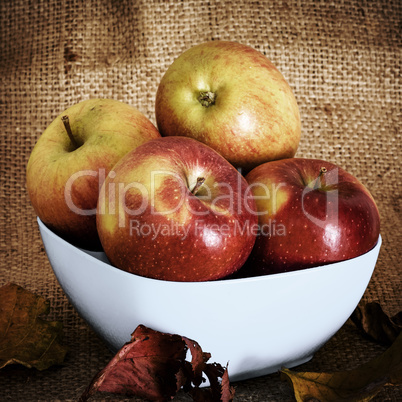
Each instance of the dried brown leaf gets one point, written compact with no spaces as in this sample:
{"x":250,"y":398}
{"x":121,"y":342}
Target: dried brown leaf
{"x":376,"y":324}
{"x":360,"y":384}
{"x":26,"y":338}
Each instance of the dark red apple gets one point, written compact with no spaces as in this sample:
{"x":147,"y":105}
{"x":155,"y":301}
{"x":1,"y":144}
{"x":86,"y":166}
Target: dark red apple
{"x":174,"y":209}
{"x":311,"y":212}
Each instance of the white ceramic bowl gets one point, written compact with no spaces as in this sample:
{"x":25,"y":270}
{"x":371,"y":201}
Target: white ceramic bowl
{"x":256,"y":324}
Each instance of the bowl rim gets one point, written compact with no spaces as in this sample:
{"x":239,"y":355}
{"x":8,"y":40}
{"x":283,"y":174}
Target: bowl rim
{"x":89,"y":254}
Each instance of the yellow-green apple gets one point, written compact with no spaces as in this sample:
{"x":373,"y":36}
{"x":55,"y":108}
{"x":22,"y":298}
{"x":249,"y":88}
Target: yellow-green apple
{"x":311,"y":212}
{"x":232,"y":98}
{"x":174,"y":209}
{"x":70,"y":160}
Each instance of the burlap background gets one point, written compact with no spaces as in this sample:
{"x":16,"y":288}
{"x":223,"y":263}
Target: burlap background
{"x":343,"y":60}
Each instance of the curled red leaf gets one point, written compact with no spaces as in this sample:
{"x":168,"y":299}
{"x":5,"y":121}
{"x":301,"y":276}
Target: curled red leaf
{"x":153,"y":366}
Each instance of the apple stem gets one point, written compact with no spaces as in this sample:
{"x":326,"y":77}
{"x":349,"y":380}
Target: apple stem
{"x":320,"y":182}
{"x":200,"y":182}
{"x":67,"y":126}
{"x":207,"y":98}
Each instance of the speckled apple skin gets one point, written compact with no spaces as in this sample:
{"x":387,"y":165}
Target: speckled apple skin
{"x":202,"y":238}
{"x":310,"y":226}
{"x":255,"y":117}
{"x":106,"y":130}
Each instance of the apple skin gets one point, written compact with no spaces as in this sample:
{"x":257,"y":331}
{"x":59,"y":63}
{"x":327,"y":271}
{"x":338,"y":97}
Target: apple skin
{"x":105,"y":131}
{"x":159,"y":229}
{"x":308,"y":218}
{"x":254,"y":117}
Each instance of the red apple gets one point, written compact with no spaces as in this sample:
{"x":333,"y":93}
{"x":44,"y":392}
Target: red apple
{"x":70,"y":160}
{"x":311,"y":212}
{"x":174,"y":209}
{"x":232,"y":98}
